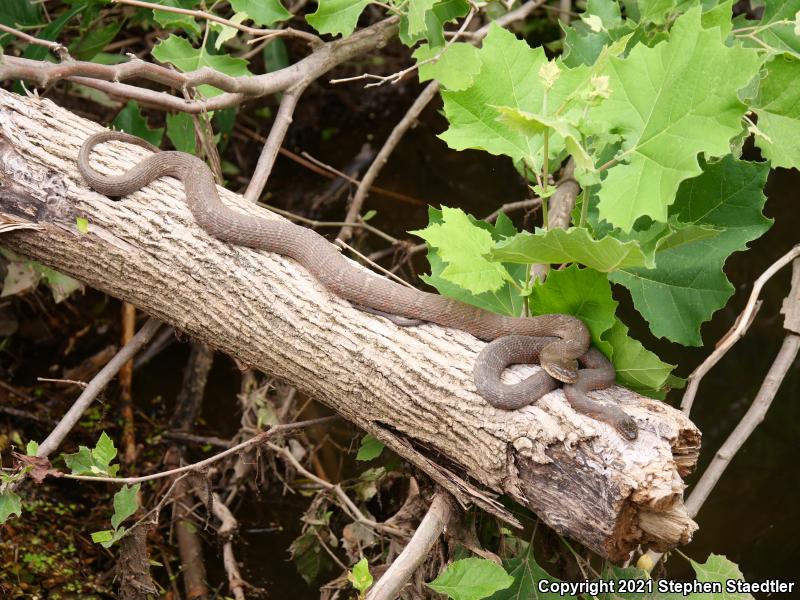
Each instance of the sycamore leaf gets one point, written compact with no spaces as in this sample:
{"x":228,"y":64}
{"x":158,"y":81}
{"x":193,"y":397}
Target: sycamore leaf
{"x":462,"y":245}
{"x":108,"y":537}
{"x":360,"y":576}
{"x":417,"y":9}
{"x":454,"y":69}
{"x":179,"y":52}
{"x":719,"y":569}
{"x":471,"y":579}
{"x":508,"y":77}
{"x":527,"y":574}
{"x":688,"y":284}
{"x":130,"y":120}
{"x":661,"y":106}
{"x":336,"y":17}
{"x":584,"y":293}
{"x":180,"y":131}
{"x":778,"y":110}
{"x":171,"y":20}
{"x":125,"y":504}
{"x":571,"y":245}
{"x":262,"y":12}
{"x":442,"y":12}
{"x":777,"y":28}
{"x":10,"y":504}
{"x":370,"y":448}
{"x":637,"y":368}
{"x":582,"y":43}
{"x":614,"y":573}
{"x":96,"y":461}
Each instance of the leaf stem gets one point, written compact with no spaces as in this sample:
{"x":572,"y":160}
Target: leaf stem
{"x":584,"y":207}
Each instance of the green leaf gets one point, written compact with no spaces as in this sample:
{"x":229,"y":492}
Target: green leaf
{"x":31,"y":448}
{"x":125,"y":504}
{"x":688,"y":284}
{"x":50,"y":33}
{"x":275,"y":55}
{"x":417,"y":10}
{"x":10,"y":504}
{"x":179,"y":52}
{"x":336,"y":17}
{"x":527,"y":574}
{"x":569,"y":245}
{"x":96,"y":461}
{"x":584,"y":293}
{"x":661,"y":106}
{"x":170,"y":20}
{"x":778,"y":36}
{"x":582,"y":44}
{"x":462,"y":245}
{"x":108,"y":537}
{"x":637,"y":368}
{"x":180,"y":131}
{"x":82,"y":224}
{"x":262,"y":12}
{"x":435,"y":20}
{"x":130,"y":120}
{"x":94,"y":40}
{"x":370,"y":448}
{"x":778,"y":110}
{"x":508,"y":77}
{"x":360,"y":576}
{"x":454,"y":69}
{"x":719,"y":569}
{"x":615,"y":574}
{"x":471,"y":579}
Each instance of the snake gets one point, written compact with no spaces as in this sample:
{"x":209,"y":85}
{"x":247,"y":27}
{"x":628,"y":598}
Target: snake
{"x":558,"y":342}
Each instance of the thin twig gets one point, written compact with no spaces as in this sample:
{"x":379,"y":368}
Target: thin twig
{"x":347,"y":504}
{"x":59,"y":49}
{"x":737,"y":333}
{"x":374,"y":264}
{"x":253,"y":441}
{"x":96,"y":385}
{"x":273,"y":144}
{"x":312,"y":39}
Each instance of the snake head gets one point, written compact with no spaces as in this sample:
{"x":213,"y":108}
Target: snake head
{"x":562,"y":370}
{"x":628,"y":429}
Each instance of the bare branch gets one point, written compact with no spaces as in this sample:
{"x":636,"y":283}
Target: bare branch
{"x":60,"y":50}
{"x":737,"y":333}
{"x":96,"y":385}
{"x":416,"y":551}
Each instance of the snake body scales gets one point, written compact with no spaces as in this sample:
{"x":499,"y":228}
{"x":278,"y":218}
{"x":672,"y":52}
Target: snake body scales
{"x":556,"y":341}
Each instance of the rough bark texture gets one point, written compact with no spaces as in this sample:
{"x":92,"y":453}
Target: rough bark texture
{"x":410,"y":387}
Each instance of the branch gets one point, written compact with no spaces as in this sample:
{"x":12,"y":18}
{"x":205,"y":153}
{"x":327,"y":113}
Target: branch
{"x":742,"y":324}
{"x":416,"y":551}
{"x":109,"y":78}
{"x":96,"y":385}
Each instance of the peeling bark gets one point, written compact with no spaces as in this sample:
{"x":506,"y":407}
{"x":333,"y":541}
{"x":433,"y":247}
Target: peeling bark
{"x":410,"y":387}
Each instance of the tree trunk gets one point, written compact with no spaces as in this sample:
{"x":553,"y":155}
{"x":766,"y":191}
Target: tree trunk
{"x":410,"y":387}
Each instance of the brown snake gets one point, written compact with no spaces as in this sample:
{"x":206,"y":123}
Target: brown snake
{"x":556,"y":341}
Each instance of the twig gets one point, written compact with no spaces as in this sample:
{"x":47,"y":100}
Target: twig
{"x":128,"y":442}
{"x":383,"y":156}
{"x":315,"y":223}
{"x":276,"y":135}
{"x":347,"y":504}
{"x":253,"y":441}
{"x":736,"y":334}
{"x":373,"y":264}
{"x":81,"y":384}
{"x":766,"y":393}
{"x":226,"y":531}
{"x":60,"y":50}
{"x":95,"y":386}
{"x":416,"y":551}
{"x":512,"y":206}
{"x":312,"y":39}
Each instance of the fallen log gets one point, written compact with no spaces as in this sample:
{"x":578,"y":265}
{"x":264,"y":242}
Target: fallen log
{"x":410,"y":387}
